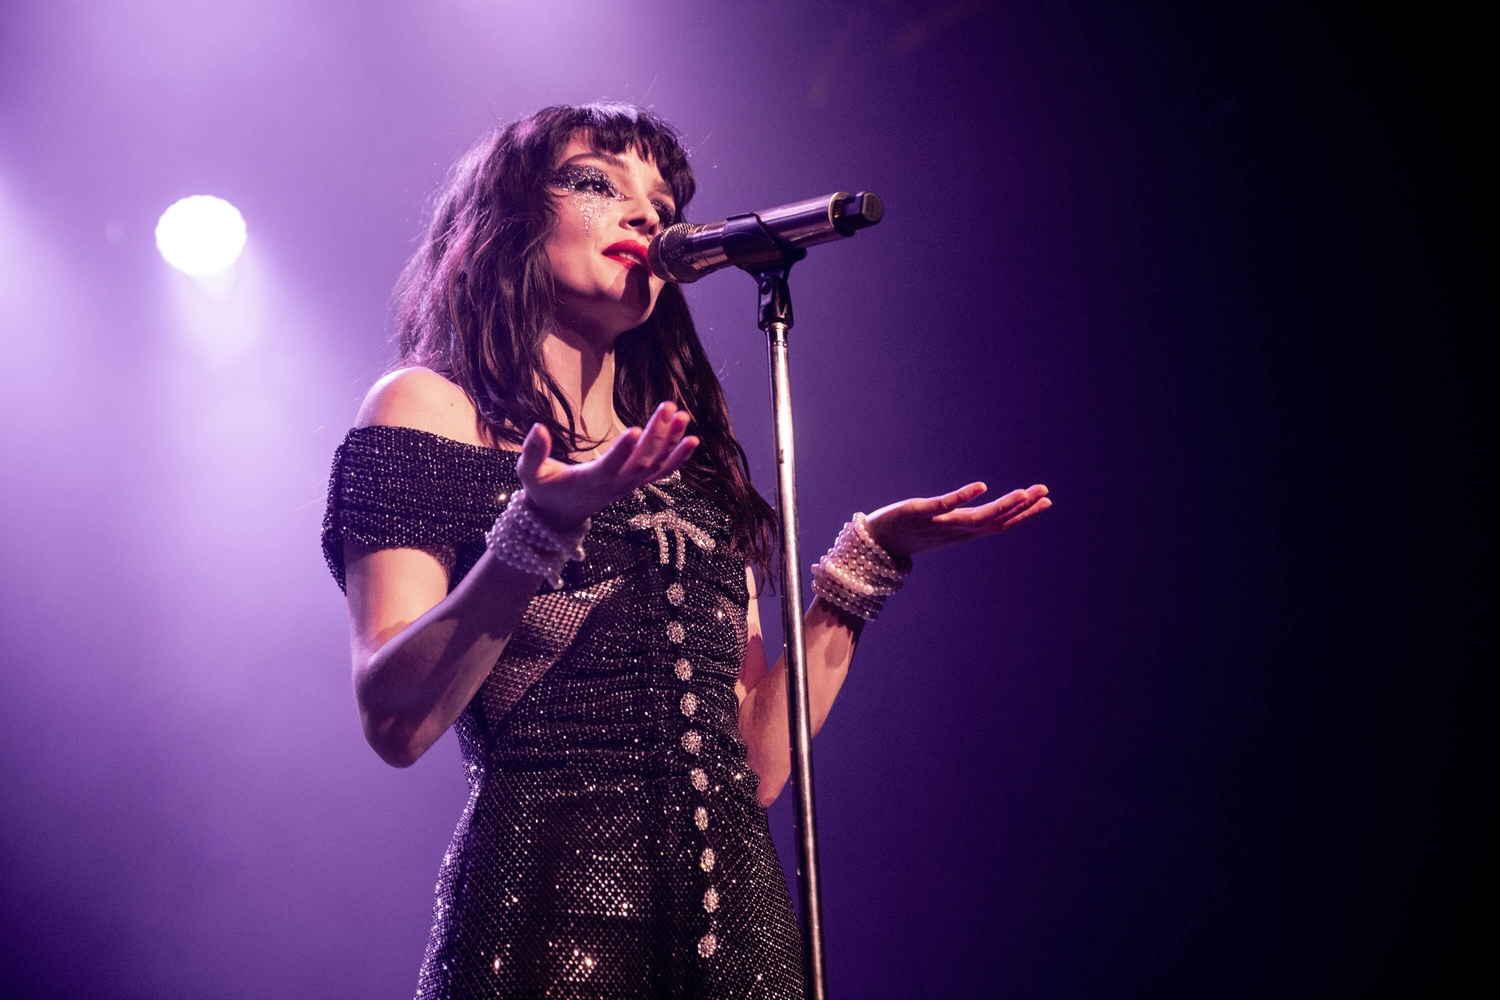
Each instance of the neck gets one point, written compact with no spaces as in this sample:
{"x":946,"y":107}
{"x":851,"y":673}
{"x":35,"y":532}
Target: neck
{"x":585,"y":371}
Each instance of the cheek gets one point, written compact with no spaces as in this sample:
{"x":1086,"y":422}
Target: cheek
{"x":567,"y":247}
{"x":590,"y":208}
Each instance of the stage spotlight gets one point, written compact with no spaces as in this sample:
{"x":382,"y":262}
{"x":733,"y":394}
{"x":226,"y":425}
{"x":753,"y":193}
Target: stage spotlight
{"x":201,"y":235}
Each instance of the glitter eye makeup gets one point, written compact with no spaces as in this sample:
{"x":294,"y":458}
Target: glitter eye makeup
{"x":590,"y":188}
{"x":581,"y":178}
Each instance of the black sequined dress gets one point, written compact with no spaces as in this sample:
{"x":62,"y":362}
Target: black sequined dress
{"x":612,"y":845}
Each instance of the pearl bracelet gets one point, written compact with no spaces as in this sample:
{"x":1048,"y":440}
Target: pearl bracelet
{"x":520,"y":538}
{"x":857,"y":574}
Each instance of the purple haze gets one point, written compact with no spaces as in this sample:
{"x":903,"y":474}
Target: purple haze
{"x":1158,"y":743}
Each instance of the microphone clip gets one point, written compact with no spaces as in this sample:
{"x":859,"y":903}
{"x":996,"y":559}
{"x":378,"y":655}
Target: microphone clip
{"x":751,"y":246}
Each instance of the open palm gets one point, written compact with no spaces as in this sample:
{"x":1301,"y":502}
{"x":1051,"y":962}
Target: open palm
{"x":923,"y":524}
{"x":564,"y":494}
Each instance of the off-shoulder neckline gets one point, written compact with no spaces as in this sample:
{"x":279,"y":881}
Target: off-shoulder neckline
{"x":447,"y":441}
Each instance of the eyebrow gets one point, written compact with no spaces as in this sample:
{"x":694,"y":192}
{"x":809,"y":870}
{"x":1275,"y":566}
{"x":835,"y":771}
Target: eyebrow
{"x":660,"y":187}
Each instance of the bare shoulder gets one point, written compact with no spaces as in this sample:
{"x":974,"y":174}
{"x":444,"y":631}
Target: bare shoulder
{"x":422,"y":399}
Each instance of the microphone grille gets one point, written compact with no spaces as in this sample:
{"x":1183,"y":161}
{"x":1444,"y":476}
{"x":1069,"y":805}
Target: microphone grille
{"x":667,"y":253}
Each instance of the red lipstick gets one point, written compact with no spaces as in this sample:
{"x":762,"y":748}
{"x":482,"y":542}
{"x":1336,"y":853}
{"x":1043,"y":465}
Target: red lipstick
{"x":628,"y":253}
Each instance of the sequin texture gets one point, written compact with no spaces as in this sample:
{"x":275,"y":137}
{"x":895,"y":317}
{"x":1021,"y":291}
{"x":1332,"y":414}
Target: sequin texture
{"x":582,"y":861}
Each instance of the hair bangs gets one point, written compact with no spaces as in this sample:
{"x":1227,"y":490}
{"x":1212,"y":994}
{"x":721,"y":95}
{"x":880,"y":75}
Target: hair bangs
{"x":616,"y":128}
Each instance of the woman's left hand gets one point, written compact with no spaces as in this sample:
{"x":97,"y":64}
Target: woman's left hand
{"x":921,"y":525}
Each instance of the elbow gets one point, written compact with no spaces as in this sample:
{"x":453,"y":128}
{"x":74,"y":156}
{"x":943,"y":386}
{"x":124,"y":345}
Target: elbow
{"x":394,"y":739}
{"x":771,"y":769}
{"x":394,"y":751}
{"x":767,"y":795}
{"x":396,"y":756}
{"x":772,"y":781}
{"x":392,"y":742}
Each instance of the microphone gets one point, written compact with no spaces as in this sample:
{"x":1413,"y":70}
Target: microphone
{"x":760,"y":240}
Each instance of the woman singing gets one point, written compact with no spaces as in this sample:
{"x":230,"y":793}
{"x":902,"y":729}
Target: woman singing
{"x":548,"y":537}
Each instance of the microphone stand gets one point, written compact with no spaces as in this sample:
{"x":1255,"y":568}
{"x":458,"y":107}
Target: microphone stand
{"x":748,"y":242}
{"x":775,"y":318}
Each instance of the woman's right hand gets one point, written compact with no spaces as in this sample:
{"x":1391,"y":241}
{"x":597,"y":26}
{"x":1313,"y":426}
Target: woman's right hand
{"x":564,"y":495}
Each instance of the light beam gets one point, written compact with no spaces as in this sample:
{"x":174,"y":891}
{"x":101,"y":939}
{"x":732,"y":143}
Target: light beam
{"x":201,"y":235}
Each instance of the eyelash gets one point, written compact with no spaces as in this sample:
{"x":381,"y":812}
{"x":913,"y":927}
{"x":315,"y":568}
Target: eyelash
{"x":593,"y":180}
{"x":583,"y":179}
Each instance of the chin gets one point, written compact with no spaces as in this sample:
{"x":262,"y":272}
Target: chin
{"x":608,"y":310}
{"x":635,"y":320}
{"x":636,"y":307}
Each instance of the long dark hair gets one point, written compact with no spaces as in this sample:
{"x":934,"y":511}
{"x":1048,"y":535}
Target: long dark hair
{"x":476,"y":301}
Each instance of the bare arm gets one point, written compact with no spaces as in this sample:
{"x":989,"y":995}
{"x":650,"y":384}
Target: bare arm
{"x":904,"y":529}
{"x":831,"y":637}
{"x":420,"y":653}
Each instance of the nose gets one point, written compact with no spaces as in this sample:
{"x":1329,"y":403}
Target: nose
{"x":641,"y":216}
{"x":644,"y":220}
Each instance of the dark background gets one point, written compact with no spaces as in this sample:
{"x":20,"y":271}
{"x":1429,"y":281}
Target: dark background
{"x":1209,"y":728}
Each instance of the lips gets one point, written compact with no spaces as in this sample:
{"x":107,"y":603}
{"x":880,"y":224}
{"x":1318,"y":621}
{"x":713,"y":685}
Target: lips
{"x":627,"y":253}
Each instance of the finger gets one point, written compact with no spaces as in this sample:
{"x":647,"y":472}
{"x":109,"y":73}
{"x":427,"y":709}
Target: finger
{"x":534,"y":451}
{"x":662,"y":433}
{"x":665,"y":411}
{"x":659,"y":469}
{"x":651,"y":435}
{"x":934,"y":506}
{"x":618,"y":452}
{"x":1010,"y":518}
{"x":677,"y":458}
{"x":1032,"y":498}
{"x":1041,"y":504}
{"x":1033,"y":493}
{"x":1011,"y":502}
{"x":979,"y":517}
{"x":960,"y":496}
{"x":674,"y":437}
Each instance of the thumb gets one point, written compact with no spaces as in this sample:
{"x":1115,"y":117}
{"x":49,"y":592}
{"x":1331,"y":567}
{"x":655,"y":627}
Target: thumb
{"x":534,"y":451}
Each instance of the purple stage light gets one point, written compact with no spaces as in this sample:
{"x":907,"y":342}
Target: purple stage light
{"x":201,"y":235}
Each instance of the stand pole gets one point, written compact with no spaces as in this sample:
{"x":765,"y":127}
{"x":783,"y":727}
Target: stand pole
{"x":776,"y":320}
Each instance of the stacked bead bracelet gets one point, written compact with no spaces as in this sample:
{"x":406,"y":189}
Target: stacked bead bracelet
{"x":857,"y":574}
{"x":522,"y":539}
